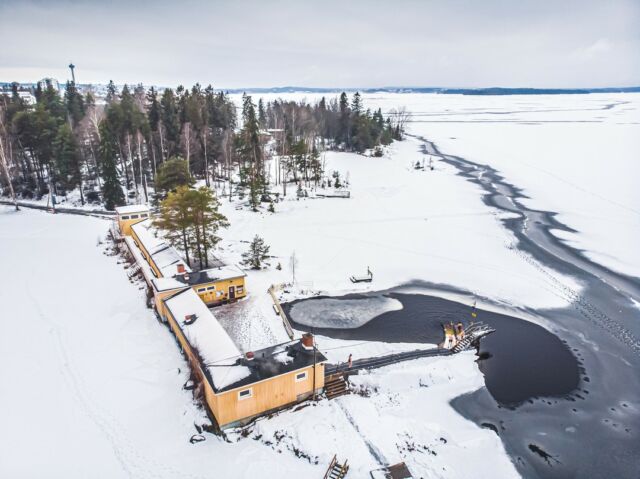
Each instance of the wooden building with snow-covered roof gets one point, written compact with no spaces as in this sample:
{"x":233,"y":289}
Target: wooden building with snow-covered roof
{"x":217,"y":285}
{"x":237,"y":388}
{"x":130,"y":215}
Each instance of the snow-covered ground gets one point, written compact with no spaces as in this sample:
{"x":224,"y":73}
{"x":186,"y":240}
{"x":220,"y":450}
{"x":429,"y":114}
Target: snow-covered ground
{"x":571,"y":154}
{"x":92,"y":385}
{"x":404,"y":224}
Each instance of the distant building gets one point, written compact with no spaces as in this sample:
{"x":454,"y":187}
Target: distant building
{"x":27,"y":97}
{"x":46,"y":81}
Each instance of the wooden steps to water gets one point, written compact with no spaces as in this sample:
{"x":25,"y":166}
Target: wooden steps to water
{"x":336,"y":470}
{"x":335,"y":385}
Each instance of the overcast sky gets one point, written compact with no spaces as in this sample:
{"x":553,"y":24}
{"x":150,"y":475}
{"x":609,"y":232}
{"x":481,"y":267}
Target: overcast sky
{"x":262,"y":43}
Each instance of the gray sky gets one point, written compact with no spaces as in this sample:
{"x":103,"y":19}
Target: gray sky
{"x":261,"y":43}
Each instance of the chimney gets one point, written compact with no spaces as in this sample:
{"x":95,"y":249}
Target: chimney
{"x":307,"y":341}
{"x":181,"y":269}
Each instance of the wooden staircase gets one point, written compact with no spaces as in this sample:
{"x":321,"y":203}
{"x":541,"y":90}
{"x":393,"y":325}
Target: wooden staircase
{"x":336,"y":470}
{"x":135,"y":269}
{"x":335,"y":385}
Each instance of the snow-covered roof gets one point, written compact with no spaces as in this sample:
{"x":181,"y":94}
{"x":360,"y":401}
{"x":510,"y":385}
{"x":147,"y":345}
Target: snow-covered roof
{"x":145,"y":232}
{"x":212,"y":274}
{"x":217,"y":350}
{"x":166,"y":284}
{"x":125,"y":210}
{"x":165,"y":256}
{"x":137,"y":255}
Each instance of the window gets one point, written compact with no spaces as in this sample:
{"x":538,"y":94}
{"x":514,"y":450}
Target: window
{"x":301,"y":376}
{"x":144,"y":215}
{"x":211,"y":288}
{"x":239,"y":289}
{"x":201,"y":290}
{"x":246,"y":394}
{"x":134,"y":217}
{"x":124,"y":217}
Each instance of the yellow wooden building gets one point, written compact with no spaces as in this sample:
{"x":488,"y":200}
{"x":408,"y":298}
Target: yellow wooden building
{"x":221,"y":284}
{"x":236,"y":388}
{"x":130,"y":215}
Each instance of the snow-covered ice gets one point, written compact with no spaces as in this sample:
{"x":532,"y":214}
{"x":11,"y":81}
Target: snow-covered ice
{"x":342,"y":313}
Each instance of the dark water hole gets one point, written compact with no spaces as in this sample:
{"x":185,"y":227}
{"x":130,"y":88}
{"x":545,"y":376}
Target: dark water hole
{"x":520,"y":361}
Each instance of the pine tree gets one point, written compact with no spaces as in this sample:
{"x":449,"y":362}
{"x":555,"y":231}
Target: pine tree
{"x":344,"y":126}
{"x":172,"y":174}
{"x":177,"y":220}
{"x":262,"y":115}
{"x":74,"y":103}
{"x":251,"y":151}
{"x":67,"y":160}
{"x":356,"y":104}
{"x":191,"y":220}
{"x":257,"y":254}
{"x":112,"y":93}
{"x":208,"y":220}
{"x":111,"y":188}
{"x":170,"y":122}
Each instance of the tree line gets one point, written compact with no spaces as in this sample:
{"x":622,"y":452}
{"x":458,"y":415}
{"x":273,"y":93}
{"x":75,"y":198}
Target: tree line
{"x":121,"y":147}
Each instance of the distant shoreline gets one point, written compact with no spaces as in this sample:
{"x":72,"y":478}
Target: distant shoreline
{"x":491,"y":91}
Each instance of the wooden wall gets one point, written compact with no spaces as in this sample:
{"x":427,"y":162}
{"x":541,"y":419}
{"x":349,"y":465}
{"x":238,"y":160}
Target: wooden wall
{"x":268,"y":394}
{"x":209,"y":296}
{"x":125,"y":225}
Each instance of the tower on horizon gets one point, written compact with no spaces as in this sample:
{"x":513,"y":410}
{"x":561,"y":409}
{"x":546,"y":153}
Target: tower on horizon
{"x":73,"y":76}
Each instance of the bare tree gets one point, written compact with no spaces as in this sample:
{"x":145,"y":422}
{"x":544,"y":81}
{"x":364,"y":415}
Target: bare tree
{"x":5,"y":156}
{"x":400,"y":117}
{"x":5,"y":167}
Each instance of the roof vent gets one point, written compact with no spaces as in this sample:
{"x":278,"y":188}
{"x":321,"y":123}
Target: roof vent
{"x":249,"y":356}
{"x":190,"y":319}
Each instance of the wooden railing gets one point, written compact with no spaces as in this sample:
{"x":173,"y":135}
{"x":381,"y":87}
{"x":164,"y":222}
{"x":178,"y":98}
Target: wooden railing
{"x":283,"y":315}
